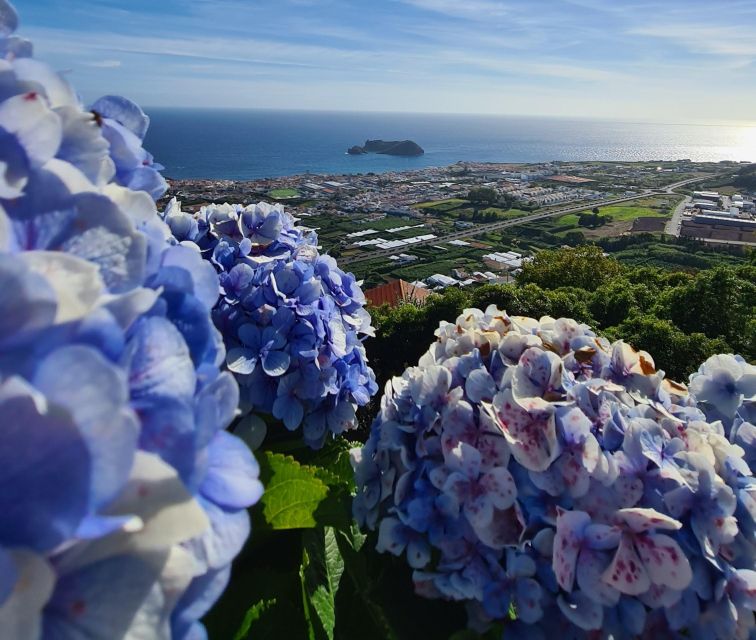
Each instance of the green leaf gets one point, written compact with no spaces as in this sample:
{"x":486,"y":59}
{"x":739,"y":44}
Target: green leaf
{"x":292,"y":492}
{"x":253,"y":615}
{"x":322,"y":568}
{"x":336,"y":509}
{"x":354,"y":536}
{"x":334,"y":464}
{"x":275,"y":593}
{"x":373,"y":621}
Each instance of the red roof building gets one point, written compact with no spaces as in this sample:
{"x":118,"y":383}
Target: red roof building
{"x":395,"y":292}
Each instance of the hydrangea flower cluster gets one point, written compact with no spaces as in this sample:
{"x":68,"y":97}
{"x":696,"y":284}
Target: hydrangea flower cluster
{"x":123,"y":498}
{"x":291,"y":319}
{"x":529,"y":466}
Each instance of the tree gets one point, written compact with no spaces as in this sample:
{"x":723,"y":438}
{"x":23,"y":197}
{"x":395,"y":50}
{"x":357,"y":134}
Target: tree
{"x":614,"y":301}
{"x":595,"y":210}
{"x":677,"y":353}
{"x":584,"y":267}
{"x":505,"y":202}
{"x":717,"y":302}
{"x":574,"y":238}
{"x":482,"y":197}
{"x":592,"y":220}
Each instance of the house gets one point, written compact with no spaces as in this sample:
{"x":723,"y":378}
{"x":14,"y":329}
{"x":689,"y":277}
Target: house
{"x":394,"y":293}
{"x":403,"y":258}
{"x":441,"y":281}
{"x":712,"y":196}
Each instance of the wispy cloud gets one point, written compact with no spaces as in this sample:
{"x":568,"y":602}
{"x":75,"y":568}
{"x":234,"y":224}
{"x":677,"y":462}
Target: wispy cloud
{"x":480,"y":10}
{"x":698,"y":38}
{"x":632,"y":58}
{"x":105,"y":64}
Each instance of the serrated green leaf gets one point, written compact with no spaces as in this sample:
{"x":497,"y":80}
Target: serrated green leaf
{"x":253,"y":615}
{"x":355,"y":536}
{"x":292,"y":492}
{"x":327,"y":476}
{"x":322,"y":568}
{"x":334,"y":461}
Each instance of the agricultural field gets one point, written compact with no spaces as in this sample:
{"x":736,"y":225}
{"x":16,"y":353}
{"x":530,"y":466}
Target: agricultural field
{"x":619,"y":218}
{"x":442,"y":205}
{"x":333,"y":231}
{"x":658,"y":252}
{"x":459,"y":209}
{"x":283,"y":194}
{"x":431,"y":259}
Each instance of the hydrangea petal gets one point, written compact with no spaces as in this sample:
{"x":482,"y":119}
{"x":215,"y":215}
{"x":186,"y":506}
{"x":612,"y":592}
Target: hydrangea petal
{"x":20,"y":614}
{"x":627,"y":574}
{"x":275,"y":363}
{"x":640,"y":520}
{"x":581,"y":611}
{"x":158,"y":361}
{"x":567,"y":543}
{"x":93,"y":391}
{"x":124,"y":111}
{"x":36,"y":126}
{"x":529,"y":429}
{"x":88,"y":603}
{"x":232,"y":475}
{"x":45,"y":471}
{"x":665,"y":562}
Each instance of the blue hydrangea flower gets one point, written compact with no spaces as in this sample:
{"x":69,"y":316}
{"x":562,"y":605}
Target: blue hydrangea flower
{"x":723,"y":384}
{"x":124,"y":125}
{"x":292,"y":321}
{"x":529,"y":465}
{"x":124,"y":499}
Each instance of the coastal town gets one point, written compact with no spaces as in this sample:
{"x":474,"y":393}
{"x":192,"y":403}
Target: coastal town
{"x":471,"y":223}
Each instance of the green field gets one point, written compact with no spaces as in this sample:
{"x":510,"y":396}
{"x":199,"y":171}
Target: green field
{"x":283,"y":194}
{"x":459,"y":209}
{"x":618,"y":213}
{"x":621,"y":217}
{"x":504,"y":214}
{"x":442,"y":205}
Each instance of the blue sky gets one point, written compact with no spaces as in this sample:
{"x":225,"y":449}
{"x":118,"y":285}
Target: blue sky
{"x":663,"y":60}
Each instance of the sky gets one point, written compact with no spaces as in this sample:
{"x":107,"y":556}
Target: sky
{"x":675,"y":61}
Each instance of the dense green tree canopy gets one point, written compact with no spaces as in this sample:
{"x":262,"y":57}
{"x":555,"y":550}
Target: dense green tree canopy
{"x":673,"y":350}
{"x":483,"y":196}
{"x":718,"y":302}
{"x":585,"y":267}
{"x":678,"y":317}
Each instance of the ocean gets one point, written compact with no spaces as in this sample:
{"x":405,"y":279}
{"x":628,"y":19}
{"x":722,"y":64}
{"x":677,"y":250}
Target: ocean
{"x":250,"y":144}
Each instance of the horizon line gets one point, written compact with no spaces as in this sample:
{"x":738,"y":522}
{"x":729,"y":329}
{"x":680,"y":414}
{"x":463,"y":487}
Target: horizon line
{"x":628,"y":120}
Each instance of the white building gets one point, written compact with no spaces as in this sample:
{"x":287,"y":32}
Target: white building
{"x":440,"y":280}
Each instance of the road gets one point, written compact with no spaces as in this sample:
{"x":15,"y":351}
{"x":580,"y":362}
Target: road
{"x":675,"y":222}
{"x":504,"y":224}
{"x":671,"y":188}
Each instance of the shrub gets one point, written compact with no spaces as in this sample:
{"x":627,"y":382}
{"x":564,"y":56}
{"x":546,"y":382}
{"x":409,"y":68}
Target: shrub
{"x":123,"y":498}
{"x":291,"y":319}
{"x":535,"y":471}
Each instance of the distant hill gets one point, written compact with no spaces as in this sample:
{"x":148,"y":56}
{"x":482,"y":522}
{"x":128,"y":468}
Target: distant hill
{"x":746,"y":178}
{"x":390,"y":148}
